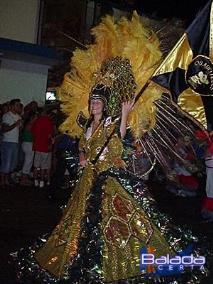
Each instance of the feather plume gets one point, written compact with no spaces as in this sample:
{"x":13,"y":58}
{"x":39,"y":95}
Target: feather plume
{"x":126,"y":38}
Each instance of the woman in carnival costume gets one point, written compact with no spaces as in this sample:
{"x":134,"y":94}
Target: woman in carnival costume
{"x":110,"y":216}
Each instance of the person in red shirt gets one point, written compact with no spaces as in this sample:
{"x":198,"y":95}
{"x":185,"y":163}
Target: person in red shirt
{"x":43,"y":130}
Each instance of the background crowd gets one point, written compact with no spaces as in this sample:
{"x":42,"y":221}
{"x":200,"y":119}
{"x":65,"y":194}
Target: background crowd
{"x":27,"y":139}
{"x":33,"y":152}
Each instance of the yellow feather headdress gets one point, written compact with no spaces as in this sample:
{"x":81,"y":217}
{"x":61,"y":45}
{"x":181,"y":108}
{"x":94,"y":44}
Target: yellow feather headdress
{"x":125,"y":40}
{"x":123,"y":58}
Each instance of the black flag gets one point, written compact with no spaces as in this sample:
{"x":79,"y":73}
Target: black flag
{"x":187,"y":71}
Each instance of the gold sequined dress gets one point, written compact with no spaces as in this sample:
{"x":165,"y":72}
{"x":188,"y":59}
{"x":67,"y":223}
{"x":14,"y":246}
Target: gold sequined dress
{"x":107,"y":221}
{"x":120,"y":226}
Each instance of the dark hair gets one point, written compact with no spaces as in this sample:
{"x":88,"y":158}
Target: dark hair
{"x":14,"y":101}
{"x":4,"y":105}
{"x":91,"y":118}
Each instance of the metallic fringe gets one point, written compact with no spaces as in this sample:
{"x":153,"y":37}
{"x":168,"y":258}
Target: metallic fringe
{"x":87,"y":267}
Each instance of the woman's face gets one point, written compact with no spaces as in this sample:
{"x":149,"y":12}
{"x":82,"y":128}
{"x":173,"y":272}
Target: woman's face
{"x":96,"y":106}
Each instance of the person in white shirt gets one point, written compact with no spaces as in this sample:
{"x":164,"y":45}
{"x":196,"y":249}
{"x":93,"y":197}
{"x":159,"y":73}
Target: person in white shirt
{"x":11,"y":122}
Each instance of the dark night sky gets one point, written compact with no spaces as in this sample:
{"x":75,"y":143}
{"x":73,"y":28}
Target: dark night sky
{"x":184,"y":9}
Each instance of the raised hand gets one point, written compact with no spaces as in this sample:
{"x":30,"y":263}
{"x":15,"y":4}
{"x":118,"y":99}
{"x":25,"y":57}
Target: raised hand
{"x":127,"y":107}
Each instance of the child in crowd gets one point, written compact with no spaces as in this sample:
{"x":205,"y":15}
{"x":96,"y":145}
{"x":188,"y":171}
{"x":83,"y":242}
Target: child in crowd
{"x":27,"y":147}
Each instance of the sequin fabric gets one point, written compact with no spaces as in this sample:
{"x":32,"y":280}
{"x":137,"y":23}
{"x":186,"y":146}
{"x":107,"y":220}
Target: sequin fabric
{"x":109,"y":218}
